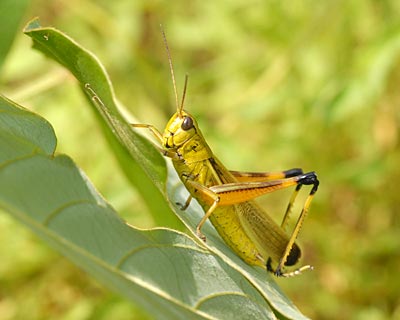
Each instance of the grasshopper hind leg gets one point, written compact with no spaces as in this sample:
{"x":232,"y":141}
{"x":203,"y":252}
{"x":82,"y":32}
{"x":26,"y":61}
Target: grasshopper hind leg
{"x":292,"y":253}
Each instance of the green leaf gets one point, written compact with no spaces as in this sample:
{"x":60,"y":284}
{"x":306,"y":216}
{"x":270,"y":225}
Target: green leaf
{"x":11,"y":13}
{"x":142,"y":163}
{"x":195,"y":271}
{"x":163,"y":270}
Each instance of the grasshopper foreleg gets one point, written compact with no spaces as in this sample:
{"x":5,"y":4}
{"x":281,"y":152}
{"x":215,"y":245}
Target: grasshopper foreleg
{"x":211,"y":197}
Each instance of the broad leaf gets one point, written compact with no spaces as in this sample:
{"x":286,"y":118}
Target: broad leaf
{"x":163,"y":270}
{"x":148,"y":170}
{"x":257,"y":285}
{"x":11,"y":13}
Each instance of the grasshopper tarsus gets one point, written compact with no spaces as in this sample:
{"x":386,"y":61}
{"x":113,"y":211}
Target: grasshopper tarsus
{"x":184,"y":206}
{"x":279,"y":273}
{"x":180,"y":205}
{"x":296,"y":272}
{"x":201,"y":235}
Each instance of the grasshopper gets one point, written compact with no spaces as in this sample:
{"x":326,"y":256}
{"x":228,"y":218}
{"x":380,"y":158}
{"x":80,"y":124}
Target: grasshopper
{"x":227,"y":196}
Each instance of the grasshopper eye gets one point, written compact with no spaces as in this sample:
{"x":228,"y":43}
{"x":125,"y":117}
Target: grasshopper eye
{"x":187,"y":123}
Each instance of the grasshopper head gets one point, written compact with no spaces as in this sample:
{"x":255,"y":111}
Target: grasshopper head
{"x":181,"y":128}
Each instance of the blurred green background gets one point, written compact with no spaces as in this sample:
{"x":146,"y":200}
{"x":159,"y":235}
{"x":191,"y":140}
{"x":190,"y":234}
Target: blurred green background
{"x":274,"y":85}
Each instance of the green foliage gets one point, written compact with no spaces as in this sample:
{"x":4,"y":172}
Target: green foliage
{"x":67,"y":212}
{"x":164,"y":271}
{"x":273,"y":85}
{"x":126,"y":143}
{"x":11,"y":13}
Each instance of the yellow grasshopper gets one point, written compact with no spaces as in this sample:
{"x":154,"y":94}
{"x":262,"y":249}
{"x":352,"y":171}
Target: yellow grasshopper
{"x":227,"y":196}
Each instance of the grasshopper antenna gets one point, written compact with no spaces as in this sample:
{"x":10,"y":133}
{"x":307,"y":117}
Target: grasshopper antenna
{"x":184,"y":94}
{"x":171,"y":69}
{"x":179,"y":107}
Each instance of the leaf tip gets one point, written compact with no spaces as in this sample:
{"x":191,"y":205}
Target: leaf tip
{"x":32,"y":25}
